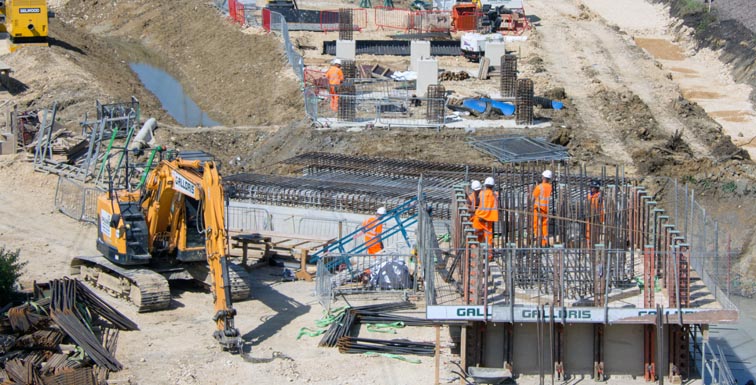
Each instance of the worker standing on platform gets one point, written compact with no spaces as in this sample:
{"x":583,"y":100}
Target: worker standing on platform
{"x":541,"y":204}
{"x":473,"y":202}
{"x":487,"y":213}
{"x":473,"y":198}
{"x":335,"y":76}
{"x":373,"y":232}
{"x":595,"y":212}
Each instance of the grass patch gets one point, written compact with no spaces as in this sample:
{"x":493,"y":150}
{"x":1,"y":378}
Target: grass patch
{"x":691,"y":7}
{"x":729,"y":187}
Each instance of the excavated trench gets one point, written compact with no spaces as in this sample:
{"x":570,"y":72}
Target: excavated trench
{"x":234,"y":78}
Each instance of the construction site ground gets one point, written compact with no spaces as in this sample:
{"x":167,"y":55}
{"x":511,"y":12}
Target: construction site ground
{"x":631,"y":75}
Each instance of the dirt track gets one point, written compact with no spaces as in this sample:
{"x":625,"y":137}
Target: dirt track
{"x":622,"y":108}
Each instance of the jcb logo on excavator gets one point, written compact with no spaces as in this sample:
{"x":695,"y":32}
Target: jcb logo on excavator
{"x":183,"y":185}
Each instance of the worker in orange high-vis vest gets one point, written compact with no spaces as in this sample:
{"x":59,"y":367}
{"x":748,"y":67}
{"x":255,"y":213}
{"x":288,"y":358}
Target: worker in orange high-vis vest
{"x":473,"y":202}
{"x":373,"y":231}
{"x":335,"y":76}
{"x":487,"y":213}
{"x":595,"y":212}
{"x":541,"y":204}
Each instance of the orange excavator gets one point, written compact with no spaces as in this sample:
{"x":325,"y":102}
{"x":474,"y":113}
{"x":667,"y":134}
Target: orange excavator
{"x":172,"y":228}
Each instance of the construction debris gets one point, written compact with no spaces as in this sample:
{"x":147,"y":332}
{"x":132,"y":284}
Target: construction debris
{"x":453,"y":76}
{"x":66,"y":335}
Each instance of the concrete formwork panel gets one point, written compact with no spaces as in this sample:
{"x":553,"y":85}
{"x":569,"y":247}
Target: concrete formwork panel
{"x":494,"y":52}
{"x":493,"y":355}
{"x":578,"y":352}
{"x":346,"y":49}
{"x":418,"y":50}
{"x":525,"y":357}
{"x":623,"y":346}
{"x":427,"y":74}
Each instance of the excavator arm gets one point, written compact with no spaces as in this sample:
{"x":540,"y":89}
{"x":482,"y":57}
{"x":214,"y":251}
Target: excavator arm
{"x":215,"y":243}
{"x":202,"y":183}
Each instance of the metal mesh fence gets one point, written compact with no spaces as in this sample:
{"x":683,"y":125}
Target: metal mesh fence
{"x":703,"y":236}
{"x":391,"y":274}
{"x":77,"y":200}
{"x":375,"y":102}
{"x":275,"y":22}
{"x":248,"y":219}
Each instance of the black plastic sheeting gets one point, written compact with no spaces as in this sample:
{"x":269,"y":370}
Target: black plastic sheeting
{"x":395,"y":48}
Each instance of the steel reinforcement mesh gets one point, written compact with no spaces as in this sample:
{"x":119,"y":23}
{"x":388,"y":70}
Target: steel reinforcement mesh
{"x":346,"y":24}
{"x":524,"y":102}
{"x":508,"y":80}
{"x":344,"y":192}
{"x":434,"y":111}
{"x":349,"y":68}
{"x":347,"y":102}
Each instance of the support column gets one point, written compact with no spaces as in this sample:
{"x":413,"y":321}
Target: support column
{"x":679,"y":354}
{"x":427,"y":74}
{"x":494,"y":51}
{"x":559,"y":351}
{"x":508,"y":346}
{"x":649,"y":358}
{"x":418,"y":50}
{"x":598,"y":352}
{"x":346,"y":49}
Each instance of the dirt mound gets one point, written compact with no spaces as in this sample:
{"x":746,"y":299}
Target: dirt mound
{"x":236,"y":78}
{"x":630,"y":113}
{"x":734,"y":40}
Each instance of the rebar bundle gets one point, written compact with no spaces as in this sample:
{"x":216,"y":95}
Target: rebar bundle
{"x":524,"y":102}
{"x":508,"y":80}
{"x":342,"y":326}
{"x":346,"y":24}
{"x":363,"y":345}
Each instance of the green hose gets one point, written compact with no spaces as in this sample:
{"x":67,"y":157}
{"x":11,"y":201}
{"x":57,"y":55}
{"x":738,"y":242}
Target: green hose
{"x":394,"y":356}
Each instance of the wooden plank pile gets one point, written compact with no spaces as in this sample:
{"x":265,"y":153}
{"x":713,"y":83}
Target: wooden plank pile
{"x":65,"y":335}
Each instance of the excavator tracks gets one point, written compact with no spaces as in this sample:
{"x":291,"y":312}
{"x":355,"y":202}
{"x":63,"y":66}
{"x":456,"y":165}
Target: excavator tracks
{"x":239,"y":282}
{"x":238,"y":278}
{"x":146,"y":289}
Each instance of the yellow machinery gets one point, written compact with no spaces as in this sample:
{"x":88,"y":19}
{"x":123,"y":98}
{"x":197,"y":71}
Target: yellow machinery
{"x":26,"y":22}
{"x":173,"y":228}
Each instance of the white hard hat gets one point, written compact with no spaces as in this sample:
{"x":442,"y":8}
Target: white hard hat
{"x":475,"y":185}
{"x":381,"y":211}
{"x":547,"y":174}
{"x":336,"y":61}
{"x":489,"y":181}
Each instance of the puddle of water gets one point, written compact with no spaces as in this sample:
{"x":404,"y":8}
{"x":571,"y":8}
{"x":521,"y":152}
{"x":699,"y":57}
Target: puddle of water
{"x":695,"y":94}
{"x":171,"y":95}
{"x":660,"y":48}
{"x":736,"y":116}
